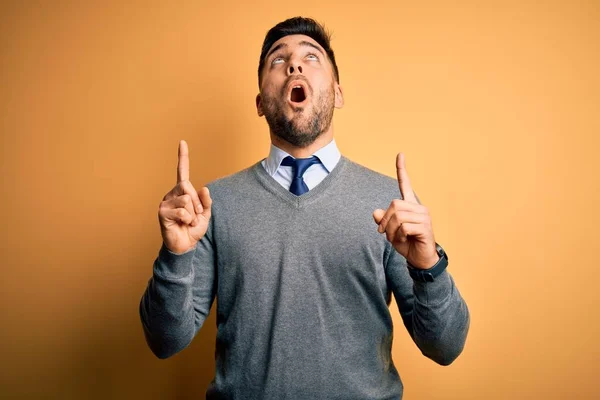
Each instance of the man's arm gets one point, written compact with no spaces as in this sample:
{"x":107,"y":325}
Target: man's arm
{"x":178,"y":297}
{"x":434,"y":313}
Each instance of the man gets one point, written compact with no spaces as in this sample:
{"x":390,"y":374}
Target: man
{"x":293,"y":248}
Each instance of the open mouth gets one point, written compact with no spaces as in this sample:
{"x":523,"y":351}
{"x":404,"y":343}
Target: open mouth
{"x":297,"y":95}
{"x":298,"y":92}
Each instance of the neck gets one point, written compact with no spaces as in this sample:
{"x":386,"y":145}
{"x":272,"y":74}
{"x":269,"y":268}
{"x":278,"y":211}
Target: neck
{"x":303,"y":152}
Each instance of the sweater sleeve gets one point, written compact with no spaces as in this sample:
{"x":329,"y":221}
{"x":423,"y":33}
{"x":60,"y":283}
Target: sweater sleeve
{"x":178,"y":297}
{"x":434,"y":313}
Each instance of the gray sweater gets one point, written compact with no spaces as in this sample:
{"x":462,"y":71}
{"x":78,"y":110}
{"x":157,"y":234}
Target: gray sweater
{"x":304,"y":285}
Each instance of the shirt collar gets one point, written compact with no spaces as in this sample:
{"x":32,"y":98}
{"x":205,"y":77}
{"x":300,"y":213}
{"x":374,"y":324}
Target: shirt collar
{"x":329,"y":156}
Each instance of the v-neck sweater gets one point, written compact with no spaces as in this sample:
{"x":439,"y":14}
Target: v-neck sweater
{"x":303,"y":287}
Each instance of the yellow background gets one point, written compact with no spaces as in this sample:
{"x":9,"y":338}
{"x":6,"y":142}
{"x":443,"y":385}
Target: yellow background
{"x":495,"y":104}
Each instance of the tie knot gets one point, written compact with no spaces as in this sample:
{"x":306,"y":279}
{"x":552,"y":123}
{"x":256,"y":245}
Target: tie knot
{"x":300,"y":165}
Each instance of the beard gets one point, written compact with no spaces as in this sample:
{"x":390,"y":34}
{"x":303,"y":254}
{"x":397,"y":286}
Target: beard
{"x":303,"y":128}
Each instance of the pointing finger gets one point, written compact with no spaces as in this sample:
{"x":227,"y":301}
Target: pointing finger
{"x":185,"y":187}
{"x":403,"y":180}
{"x":183,"y":164}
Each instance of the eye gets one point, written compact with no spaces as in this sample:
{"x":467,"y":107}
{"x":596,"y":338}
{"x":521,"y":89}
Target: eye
{"x":312,"y":56}
{"x":277,"y":60}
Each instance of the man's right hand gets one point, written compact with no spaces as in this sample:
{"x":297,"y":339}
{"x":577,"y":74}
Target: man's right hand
{"x":184,"y":213}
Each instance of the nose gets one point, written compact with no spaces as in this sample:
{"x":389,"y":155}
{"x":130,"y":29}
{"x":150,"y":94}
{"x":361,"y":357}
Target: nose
{"x":291,"y":69}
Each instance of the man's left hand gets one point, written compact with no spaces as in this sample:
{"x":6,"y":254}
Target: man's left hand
{"x":407,"y":224}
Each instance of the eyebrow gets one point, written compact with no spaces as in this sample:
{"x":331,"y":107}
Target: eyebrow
{"x":302,"y":43}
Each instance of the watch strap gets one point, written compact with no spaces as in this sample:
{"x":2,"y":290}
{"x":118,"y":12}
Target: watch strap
{"x":429,"y":275}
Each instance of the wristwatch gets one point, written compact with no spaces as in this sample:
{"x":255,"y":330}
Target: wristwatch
{"x":429,"y":275}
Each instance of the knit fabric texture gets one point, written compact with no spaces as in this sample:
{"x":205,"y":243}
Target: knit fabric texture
{"x":303,"y":286}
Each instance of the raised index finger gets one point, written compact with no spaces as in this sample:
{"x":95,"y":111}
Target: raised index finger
{"x":403,"y":181}
{"x":183,"y":164}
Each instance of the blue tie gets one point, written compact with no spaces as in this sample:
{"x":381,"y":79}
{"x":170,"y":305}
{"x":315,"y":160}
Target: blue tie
{"x":299,"y":167}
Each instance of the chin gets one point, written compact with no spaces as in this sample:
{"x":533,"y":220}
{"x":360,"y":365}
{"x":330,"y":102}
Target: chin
{"x":300,"y":138}
{"x":299,"y":126}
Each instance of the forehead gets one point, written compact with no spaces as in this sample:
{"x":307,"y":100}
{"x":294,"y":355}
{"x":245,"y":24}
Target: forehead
{"x":295,"y":41}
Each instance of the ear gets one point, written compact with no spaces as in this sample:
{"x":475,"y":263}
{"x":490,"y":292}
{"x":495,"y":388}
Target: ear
{"x":339,"y":96}
{"x":259,"y":109}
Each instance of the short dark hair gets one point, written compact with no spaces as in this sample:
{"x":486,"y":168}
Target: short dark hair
{"x":298,"y":26}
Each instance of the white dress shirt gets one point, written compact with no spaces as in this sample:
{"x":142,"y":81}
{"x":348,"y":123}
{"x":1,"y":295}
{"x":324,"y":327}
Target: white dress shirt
{"x":329,"y":156}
